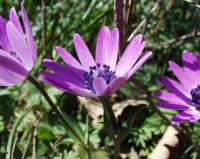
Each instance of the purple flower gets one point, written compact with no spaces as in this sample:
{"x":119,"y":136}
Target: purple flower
{"x":184,"y":94}
{"x":17,"y":48}
{"x":99,"y":77}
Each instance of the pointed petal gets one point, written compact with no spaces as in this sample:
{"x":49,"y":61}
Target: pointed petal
{"x":103,"y":47}
{"x":54,"y":83}
{"x":66,"y":73}
{"x":175,"y":120}
{"x":181,"y":75}
{"x":19,"y":46}
{"x":67,"y":87}
{"x":195,"y":118}
{"x":114,"y":48}
{"x":4,"y":42}
{"x":174,"y":106}
{"x":29,"y":33}
{"x":11,"y":72}
{"x":175,"y":87}
{"x":16,"y":67}
{"x":62,"y":80}
{"x":130,"y":56}
{"x":139,"y":64}
{"x":68,"y":58}
{"x":81,"y":91}
{"x":185,"y":115}
{"x":83,"y":52}
{"x":15,"y":20}
{"x":5,"y":83}
{"x":167,"y":96}
{"x":116,"y":84}
{"x":191,"y":115}
{"x":191,"y":67}
{"x":100,"y":86}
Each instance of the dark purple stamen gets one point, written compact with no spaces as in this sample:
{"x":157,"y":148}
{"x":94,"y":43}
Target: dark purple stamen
{"x":195,"y":93}
{"x":98,"y":71}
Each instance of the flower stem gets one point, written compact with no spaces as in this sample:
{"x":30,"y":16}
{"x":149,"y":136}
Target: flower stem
{"x":109,"y":114}
{"x":110,"y":119}
{"x":59,"y":114}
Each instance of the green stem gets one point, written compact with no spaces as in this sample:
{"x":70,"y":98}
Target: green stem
{"x":59,"y":114}
{"x":109,"y":113}
{"x":110,"y":119}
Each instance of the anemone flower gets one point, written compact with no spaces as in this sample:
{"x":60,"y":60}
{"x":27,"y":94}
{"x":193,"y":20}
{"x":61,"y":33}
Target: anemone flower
{"x":99,"y":77}
{"x":17,"y":48}
{"x":184,"y":94}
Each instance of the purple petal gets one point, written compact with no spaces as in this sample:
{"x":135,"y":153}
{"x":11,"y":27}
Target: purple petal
{"x":4,"y":42}
{"x":192,"y":115}
{"x":83,"y":52}
{"x":66,"y":73}
{"x":185,"y":115}
{"x":139,"y":64}
{"x":181,"y":75}
{"x":176,"y":120}
{"x":116,"y":84}
{"x":195,"y":117}
{"x":29,"y":33}
{"x":174,"y":106}
{"x":103,"y":47}
{"x":100,"y":86}
{"x":5,"y":83}
{"x":175,"y":87}
{"x":11,"y":72}
{"x":53,"y":80}
{"x":15,"y":20}
{"x":81,"y":91}
{"x":62,"y":80}
{"x":167,"y":96}
{"x":16,"y":67}
{"x":130,"y":56}
{"x":19,"y":46}
{"x":191,"y":67}
{"x":114,"y":48}
{"x":68,"y":58}
{"x":55,"y":83}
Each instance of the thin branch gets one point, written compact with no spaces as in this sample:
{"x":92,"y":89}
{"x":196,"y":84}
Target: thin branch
{"x":180,"y":39}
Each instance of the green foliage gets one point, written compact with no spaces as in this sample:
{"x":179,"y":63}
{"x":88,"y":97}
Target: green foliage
{"x":27,"y":123}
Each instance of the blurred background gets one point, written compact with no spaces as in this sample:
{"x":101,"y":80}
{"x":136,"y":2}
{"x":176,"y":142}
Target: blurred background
{"x":169,"y":27}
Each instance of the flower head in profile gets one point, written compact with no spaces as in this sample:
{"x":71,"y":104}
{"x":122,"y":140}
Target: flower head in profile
{"x":17,"y":48}
{"x":184,"y":94}
{"x":99,"y":77}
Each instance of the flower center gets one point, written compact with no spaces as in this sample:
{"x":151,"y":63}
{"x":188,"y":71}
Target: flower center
{"x":98,"y":71}
{"x":195,"y":93}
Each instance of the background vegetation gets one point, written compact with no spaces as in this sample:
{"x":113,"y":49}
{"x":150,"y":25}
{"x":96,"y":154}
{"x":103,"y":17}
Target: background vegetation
{"x":169,"y":27}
